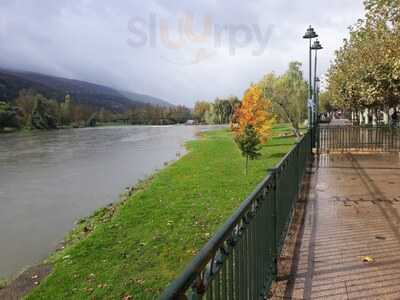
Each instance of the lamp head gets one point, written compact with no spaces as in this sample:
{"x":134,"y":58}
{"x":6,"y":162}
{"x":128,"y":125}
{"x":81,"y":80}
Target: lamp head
{"x":316,"y":45}
{"x":310,"y":33}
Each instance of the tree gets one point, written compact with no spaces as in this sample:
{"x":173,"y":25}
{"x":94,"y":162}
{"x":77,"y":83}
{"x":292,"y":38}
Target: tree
{"x":158,"y":115}
{"x":225,"y":109}
{"x":178,"y":114}
{"x":366,"y":69}
{"x":249,"y":144}
{"x":234,"y":104}
{"x":288,"y":94}
{"x":37,"y":112}
{"x":325,"y":103}
{"x":25,"y":103}
{"x":8,"y":116}
{"x":200,"y":110}
{"x":210,"y":117}
{"x":41,"y":119}
{"x":255,"y":110}
{"x":66,"y":110}
{"x":221,"y":111}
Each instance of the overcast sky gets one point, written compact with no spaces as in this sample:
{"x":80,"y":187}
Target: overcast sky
{"x":181,"y":51}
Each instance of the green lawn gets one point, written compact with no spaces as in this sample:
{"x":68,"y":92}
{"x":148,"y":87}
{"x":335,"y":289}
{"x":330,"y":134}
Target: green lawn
{"x":139,"y":245}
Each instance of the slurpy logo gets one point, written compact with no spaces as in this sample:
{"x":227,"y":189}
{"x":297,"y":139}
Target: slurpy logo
{"x":195,"y":45}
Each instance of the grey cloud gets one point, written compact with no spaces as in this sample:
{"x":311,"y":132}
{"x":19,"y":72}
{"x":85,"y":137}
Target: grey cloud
{"x":88,"y":40}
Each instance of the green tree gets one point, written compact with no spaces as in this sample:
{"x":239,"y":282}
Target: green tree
{"x":221,"y":111}
{"x":200,"y":110}
{"x":210,"y":116}
{"x":41,"y":118}
{"x":288,"y":94}
{"x":8,"y":116}
{"x":366,"y":69}
{"x":325,"y":102}
{"x":25,"y":103}
{"x":66,"y":110}
{"x":249,"y":144}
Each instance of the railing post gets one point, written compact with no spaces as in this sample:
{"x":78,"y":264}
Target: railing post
{"x":275,"y":234}
{"x":312,"y":137}
{"x":317,"y":137}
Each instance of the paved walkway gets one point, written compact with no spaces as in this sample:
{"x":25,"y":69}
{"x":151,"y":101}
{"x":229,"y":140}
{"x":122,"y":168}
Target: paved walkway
{"x":353,"y":211}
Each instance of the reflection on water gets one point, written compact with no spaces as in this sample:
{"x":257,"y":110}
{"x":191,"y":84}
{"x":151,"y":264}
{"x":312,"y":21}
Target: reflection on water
{"x":50,"y":179}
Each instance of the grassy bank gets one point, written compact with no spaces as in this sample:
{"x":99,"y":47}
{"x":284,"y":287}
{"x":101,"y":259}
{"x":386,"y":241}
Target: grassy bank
{"x":138,"y":246}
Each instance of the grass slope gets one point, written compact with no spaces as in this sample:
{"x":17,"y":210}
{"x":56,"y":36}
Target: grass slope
{"x":153,"y":235}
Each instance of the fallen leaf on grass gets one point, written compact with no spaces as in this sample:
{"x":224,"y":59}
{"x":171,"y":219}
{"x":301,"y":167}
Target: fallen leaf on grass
{"x":367,"y":259}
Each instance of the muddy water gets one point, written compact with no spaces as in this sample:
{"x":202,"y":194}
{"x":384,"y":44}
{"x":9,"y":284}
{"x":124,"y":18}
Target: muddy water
{"x":50,"y":179}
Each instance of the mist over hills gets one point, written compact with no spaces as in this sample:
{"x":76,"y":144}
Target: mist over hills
{"x":146,"y":99}
{"x":82,"y":92}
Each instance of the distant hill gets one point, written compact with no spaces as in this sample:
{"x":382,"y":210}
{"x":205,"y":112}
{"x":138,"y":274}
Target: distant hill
{"x":11,"y":82}
{"x":146,"y":99}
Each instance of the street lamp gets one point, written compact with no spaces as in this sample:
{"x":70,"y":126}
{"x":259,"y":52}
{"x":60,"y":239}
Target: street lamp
{"x":310,"y":34}
{"x":316,"y":46}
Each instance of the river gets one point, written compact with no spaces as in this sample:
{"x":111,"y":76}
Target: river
{"x":50,"y":179}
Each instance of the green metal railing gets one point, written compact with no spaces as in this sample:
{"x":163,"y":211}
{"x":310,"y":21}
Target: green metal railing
{"x":240,"y":261}
{"x":358,"y":138}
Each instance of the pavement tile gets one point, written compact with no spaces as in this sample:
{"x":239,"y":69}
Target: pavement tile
{"x":353,"y":210}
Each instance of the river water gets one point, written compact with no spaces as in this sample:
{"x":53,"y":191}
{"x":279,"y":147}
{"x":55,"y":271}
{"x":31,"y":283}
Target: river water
{"x":50,"y":179}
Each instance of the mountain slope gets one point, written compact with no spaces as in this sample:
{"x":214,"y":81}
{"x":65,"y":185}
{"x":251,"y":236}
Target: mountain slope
{"x":146,"y":99}
{"x":11,"y":82}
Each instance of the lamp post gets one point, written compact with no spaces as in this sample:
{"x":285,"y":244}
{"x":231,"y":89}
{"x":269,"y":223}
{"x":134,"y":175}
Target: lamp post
{"x":316,"y":46}
{"x":317,"y":90}
{"x":310,"y":34}
{"x":316,"y":98}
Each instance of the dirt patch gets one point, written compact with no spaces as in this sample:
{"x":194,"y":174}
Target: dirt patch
{"x":287,"y":259}
{"x":25,"y":282}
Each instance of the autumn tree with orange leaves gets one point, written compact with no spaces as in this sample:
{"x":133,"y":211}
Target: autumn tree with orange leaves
{"x":252,"y":123}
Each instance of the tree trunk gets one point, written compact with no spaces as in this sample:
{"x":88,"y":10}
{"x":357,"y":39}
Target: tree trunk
{"x":374,"y":117}
{"x":292,"y":122}
{"x":366,"y":116}
{"x":386,"y":116}
{"x":297,"y":132}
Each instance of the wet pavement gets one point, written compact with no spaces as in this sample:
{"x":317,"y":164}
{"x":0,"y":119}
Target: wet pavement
{"x":352,"y":215}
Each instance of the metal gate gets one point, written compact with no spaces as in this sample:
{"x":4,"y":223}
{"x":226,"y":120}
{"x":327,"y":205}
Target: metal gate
{"x":357,"y":138}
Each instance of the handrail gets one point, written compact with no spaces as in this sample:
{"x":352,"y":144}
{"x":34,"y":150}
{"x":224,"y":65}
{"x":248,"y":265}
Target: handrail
{"x":239,"y":248}
{"x":358,"y":138}
{"x":201,"y":259}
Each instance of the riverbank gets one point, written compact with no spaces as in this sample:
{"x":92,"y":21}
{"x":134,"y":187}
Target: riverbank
{"x":135,"y":248}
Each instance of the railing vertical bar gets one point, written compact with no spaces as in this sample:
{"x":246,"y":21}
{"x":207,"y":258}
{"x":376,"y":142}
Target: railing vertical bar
{"x":209,"y":295}
{"x":258,"y":244}
{"x":246,"y":262}
{"x":255,"y":252}
{"x":264,"y":238}
{"x":217,"y":283}
{"x":251,"y":258}
{"x":237,"y":271}
{"x":230,"y":273}
{"x":242,"y":270}
{"x":224,"y":280}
